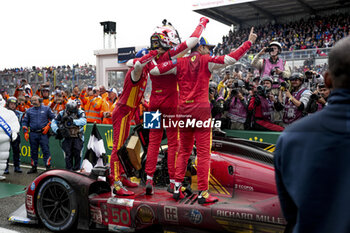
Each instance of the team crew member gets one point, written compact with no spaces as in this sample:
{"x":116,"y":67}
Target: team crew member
{"x":75,"y":94}
{"x":193,"y":74}
{"x":85,"y":96}
{"x":26,"y":104}
{"x":38,"y":119}
{"x":109,"y":105}
{"x":58,"y":103}
{"x":164,"y":97}
{"x":72,"y":120}
{"x":103,"y":92}
{"x":4,"y":94}
{"x":93,"y":109}
{"x":134,"y":86}
{"x":15,"y":143}
{"x":46,"y":96}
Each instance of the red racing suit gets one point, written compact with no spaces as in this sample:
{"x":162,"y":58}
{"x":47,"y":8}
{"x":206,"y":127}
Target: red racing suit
{"x":164,"y":97}
{"x":193,"y":74}
{"x":134,"y":87}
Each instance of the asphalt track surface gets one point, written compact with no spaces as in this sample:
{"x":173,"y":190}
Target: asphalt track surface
{"x":12,"y":203}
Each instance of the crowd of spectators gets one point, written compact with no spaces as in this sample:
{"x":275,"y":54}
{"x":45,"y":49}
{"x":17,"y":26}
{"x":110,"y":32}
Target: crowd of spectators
{"x":65,"y":76}
{"x":78,"y":81}
{"x":233,"y":92}
{"x":315,"y":32}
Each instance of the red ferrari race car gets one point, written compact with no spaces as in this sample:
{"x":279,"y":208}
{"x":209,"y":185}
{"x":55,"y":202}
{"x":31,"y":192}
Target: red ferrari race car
{"x":241,"y":176}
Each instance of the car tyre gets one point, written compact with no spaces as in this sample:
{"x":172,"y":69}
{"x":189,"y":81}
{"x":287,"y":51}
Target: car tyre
{"x":56,"y":204}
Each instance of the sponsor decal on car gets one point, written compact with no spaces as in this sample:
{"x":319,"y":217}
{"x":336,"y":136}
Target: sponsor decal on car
{"x":32,"y":187}
{"x":249,"y":216}
{"x":29,"y":201}
{"x":170,"y":214}
{"x":121,"y":201}
{"x":195,"y":216}
{"x":145,"y":214}
{"x":96,"y":214}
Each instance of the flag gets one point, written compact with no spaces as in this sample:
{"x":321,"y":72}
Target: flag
{"x":96,"y":152}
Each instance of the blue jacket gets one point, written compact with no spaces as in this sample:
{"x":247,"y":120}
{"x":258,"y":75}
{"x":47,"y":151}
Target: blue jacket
{"x":81,"y":121}
{"x":312,"y":162}
{"x":37,"y":118}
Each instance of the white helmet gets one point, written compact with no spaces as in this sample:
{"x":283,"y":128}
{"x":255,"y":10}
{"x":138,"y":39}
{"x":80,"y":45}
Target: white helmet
{"x":276,"y":44}
{"x":165,"y":37}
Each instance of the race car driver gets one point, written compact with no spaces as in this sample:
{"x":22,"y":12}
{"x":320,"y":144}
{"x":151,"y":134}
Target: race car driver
{"x":164,"y":97}
{"x":134,"y":86}
{"x":193,"y":74}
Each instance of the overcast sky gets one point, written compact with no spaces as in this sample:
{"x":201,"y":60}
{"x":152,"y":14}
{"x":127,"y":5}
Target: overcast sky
{"x":66,"y":32}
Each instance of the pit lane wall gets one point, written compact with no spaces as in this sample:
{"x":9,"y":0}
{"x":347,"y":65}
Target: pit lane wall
{"x":106,"y":131}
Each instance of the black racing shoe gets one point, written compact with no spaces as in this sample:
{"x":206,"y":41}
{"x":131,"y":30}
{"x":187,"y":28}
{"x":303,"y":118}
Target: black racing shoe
{"x":170,"y":188}
{"x":32,"y":170}
{"x":177,"y":194}
{"x":204,"y":197}
{"x":48,"y":167}
{"x":181,"y":192}
{"x":149,"y":187}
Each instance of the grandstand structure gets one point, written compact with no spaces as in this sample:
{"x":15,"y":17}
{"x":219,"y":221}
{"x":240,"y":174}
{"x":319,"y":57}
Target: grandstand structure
{"x":247,"y":13}
{"x":242,"y":14}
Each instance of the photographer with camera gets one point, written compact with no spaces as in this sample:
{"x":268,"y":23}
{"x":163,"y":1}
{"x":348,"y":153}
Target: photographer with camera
{"x":295,"y":100}
{"x":312,"y":78}
{"x":261,"y":108}
{"x":69,"y":125}
{"x":274,"y":65}
{"x":223,"y":86}
{"x":237,"y":106}
{"x":318,"y":99}
{"x":237,"y":74}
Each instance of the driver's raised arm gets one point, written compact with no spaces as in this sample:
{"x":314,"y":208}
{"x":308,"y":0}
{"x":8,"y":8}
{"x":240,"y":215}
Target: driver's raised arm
{"x":188,"y":44}
{"x":233,"y":56}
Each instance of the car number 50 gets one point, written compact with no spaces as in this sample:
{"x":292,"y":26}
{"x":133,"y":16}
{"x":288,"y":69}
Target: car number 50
{"x":120,"y":216}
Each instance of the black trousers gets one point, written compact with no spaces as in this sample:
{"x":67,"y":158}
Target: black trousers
{"x":15,"y":145}
{"x":72,"y":148}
